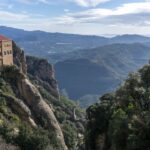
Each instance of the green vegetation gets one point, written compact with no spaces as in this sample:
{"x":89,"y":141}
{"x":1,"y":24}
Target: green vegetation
{"x":29,"y":139}
{"x":12,"y":128}
{"x":70,"y":135}
{"x":121,"y":121}
{"x":15,"y":129}
{"x":63,"y":110}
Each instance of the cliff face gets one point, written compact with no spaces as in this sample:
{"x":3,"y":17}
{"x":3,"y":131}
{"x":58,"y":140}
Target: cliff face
{"x":19,"y":59}
{"x":121,"y":121}
{"x":39,"y":68}
{"x":44,"y":73}
{"x":40,"y":108}
{"x":32,"y":97}
{"x":29,"y":92}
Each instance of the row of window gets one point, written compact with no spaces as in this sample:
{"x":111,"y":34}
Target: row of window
{"x":6,"y":52}
{"x":5,"y":45}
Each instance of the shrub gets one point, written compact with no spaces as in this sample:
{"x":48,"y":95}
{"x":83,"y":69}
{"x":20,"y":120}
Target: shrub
{"x":36,"y":139}
{"x":70,"y":136}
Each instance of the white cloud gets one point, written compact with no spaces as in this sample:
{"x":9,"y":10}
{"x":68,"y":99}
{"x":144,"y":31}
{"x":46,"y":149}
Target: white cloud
{"x":130,"y":13}
{"x":83,"y":3}
{"x":133,"y":8}
{"x":8,"y":16}
{"x":89,"y":3}
{"x":127,"y":18}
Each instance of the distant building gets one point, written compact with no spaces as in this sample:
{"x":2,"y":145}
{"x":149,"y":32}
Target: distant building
{"x":6,"y":51}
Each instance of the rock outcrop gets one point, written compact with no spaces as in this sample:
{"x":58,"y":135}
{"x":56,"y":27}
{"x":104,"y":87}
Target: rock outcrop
{"x":40,"y":108}
{"x":39,"y":68}
{"x":44,"y":73}
{"x":19,"y":58}
{"x":30,"y":94}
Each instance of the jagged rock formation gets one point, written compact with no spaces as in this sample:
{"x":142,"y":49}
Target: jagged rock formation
{"x":44,"y":73}
{"x":31,"y":95}
{"x":121,"y":121}
{"x":40,"y":108}
{"x":39,"y":68}
{"x":19,"y":58}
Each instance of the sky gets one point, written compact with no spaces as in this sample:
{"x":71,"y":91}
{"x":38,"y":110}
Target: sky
{"x":93,"y":17}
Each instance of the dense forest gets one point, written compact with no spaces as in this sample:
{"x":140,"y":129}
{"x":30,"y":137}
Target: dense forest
{"x":121,"y":120}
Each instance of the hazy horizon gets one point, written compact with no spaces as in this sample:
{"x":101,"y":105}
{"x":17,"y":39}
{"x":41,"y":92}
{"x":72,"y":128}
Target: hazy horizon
{"x":102,"y":35}
{"x":86,"y":17}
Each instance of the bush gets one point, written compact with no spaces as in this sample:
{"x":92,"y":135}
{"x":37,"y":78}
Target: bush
{"x":36,"y":139}
{"x":70,"y":135}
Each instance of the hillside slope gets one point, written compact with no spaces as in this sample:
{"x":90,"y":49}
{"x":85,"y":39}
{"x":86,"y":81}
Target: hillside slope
{"x":32,"y":113}
{"x":99,"y":70}
{"x":81,"y":77}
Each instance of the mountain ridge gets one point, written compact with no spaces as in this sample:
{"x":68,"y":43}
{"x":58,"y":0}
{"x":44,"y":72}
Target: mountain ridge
{"x":114,"y":61}
{"x":41,"y":43}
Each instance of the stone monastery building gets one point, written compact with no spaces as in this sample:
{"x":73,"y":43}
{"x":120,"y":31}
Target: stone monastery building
{"x":6,"y":51}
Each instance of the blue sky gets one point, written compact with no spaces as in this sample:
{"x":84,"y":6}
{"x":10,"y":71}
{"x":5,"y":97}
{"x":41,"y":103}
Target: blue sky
{"x":97,"y":17}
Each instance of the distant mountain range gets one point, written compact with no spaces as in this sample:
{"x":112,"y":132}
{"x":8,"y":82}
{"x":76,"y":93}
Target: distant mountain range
{"x":85,"y":66}
{"x":99,"y":70}
{"x":43,"y":44}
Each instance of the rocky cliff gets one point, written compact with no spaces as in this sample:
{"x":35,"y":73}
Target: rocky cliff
{"x":44,"y":73}
{"x":39,"y":68}
{"x":30,"y":92}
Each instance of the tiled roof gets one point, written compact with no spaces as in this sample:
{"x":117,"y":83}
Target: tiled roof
{"x":3,"y":38}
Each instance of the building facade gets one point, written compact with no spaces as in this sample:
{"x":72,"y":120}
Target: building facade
{"x":6,"y":51}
